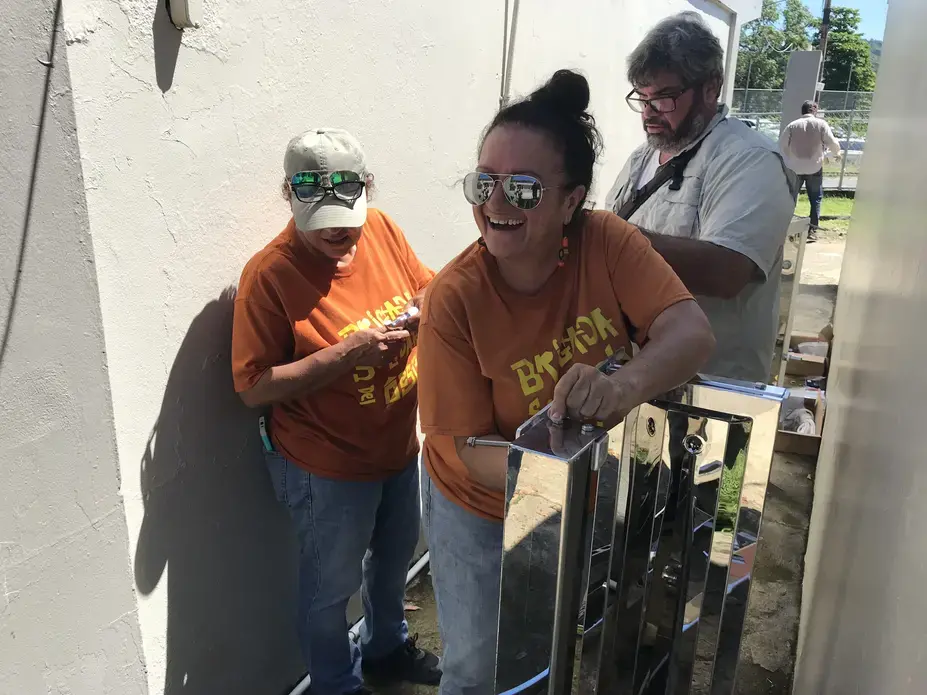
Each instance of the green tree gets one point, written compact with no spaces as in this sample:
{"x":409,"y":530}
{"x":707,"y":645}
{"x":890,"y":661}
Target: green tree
{"x":759,"y":39}
{"x":848,"y":60}
{"x":797,"y":26}
{"x":766,"y":42}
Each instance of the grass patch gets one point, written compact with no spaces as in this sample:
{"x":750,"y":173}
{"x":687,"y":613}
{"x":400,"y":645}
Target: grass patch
{"x":833,"y":170}
{"x":833,"y":205}
{"x":839,"y":227}
{"x":729,"y":494}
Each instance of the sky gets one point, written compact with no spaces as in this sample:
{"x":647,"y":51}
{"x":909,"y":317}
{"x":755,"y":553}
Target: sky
{"x":873,"y":12}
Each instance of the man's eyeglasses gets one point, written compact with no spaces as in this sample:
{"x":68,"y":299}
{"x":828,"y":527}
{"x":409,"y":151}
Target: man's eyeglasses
{"x":661,"y":104}
{"x":310,"y":186}
{"x":521,"y":190}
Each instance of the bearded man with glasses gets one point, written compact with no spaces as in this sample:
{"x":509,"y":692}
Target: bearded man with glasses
{"x":713,"y":196}
{"x":715,"y":199}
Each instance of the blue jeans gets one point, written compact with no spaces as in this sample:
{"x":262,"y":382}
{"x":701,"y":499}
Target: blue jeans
{"x":466,"y":569}
{"x":352,"y":535}
{"x":814,"y":184}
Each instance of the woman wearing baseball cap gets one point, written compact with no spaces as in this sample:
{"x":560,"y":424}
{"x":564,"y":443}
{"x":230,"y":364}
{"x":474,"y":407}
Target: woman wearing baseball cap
{"x":324,"y":336}
{"x":519,"y":320}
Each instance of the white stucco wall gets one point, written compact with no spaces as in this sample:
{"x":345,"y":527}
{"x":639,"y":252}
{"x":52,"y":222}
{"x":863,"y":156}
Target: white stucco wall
{"x":183,"y":187}
{"x":181,"y":140}
{"x":67,"y":609}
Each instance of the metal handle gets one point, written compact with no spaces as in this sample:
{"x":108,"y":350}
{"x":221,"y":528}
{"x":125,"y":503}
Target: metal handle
{"x":400,"y":321}
{"x":476,"y":441}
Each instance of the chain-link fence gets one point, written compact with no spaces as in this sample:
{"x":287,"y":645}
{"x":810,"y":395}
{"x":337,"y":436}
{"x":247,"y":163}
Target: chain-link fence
{"x":847,"y":113}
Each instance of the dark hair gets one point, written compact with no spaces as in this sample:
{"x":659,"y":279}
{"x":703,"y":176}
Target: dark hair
{"x":683,"y":45}
{"x":559,"y":110}
{"x":808,"y":107}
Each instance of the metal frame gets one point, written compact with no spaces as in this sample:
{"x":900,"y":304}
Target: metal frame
{"x":798,"y":238}
{"x":601,"y":591}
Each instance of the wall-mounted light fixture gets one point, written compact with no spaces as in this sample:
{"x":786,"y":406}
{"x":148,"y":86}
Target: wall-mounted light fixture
{"x":185,"y":14}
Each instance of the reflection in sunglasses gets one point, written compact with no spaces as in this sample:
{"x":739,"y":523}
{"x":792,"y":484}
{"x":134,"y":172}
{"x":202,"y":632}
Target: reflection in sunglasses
{"x":521,"y":190}
{"x":310,"y":187}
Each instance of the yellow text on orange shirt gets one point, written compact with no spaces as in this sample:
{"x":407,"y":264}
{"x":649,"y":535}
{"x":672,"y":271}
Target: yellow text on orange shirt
{"x":390,"y":309}
{"x":396,"y":386}
{"x":587,"y":331}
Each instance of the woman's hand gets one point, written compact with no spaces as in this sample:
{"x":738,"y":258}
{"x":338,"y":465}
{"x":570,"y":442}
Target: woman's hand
{"x":374,"y":347}
{"x":416,"y":302}
{"x":368,"y":348}
{"x":587,"y":395}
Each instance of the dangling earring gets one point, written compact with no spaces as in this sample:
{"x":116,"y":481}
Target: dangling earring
{"x":481,"y":242}
{"x":564,"y":251}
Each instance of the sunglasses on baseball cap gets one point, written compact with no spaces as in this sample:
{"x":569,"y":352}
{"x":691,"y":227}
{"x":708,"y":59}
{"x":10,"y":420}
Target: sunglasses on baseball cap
{"x":327,"y":172}
{"x":313,"y":186}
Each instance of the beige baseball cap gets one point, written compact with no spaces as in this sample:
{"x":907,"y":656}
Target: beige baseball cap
{"x":324,"y":151}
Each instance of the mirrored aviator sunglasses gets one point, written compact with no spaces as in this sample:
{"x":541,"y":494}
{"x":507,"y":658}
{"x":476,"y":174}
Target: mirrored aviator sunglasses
{"x":310,"y":186}
{"x":521,"y":190}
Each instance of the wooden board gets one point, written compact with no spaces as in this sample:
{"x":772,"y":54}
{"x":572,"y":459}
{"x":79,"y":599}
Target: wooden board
{"x":804,"y":444}
{"x":805,"y":365}
{"x":794,"y":443}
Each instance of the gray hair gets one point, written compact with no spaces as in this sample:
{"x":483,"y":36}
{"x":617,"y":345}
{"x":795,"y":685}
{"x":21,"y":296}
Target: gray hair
{"x":682,"y":45}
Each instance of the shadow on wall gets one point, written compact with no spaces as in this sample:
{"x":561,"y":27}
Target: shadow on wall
{"x":167,"y":40}
{"x":212,"y":523}
{"x":49,"y":64}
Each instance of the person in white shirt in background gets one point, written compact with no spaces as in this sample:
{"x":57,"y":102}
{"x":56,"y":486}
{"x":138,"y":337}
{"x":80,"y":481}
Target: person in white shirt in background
{"x":804,"y":144}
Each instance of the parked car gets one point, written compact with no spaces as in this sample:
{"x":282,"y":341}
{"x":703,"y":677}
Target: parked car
{"x":853,"y":144}
{"x":852,"y":150}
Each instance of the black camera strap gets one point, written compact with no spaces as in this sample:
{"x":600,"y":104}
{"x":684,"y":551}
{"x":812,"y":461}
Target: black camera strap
{"x":672,"y":171}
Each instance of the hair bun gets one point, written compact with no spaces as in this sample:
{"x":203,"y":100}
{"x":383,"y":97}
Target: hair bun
{"x":567,"y":90}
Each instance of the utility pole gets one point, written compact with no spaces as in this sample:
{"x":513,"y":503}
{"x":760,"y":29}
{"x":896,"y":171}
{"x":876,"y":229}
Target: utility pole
{"x":825,"y":28}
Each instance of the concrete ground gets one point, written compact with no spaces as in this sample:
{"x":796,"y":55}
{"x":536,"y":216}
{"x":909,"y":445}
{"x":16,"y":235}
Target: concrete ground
{"x":768,"y":650}
{"x":820,"y":275}
{"x":832,"y":183}
{"x":422,"y":616}
{"x":767,"y":655}
{"x":768,"y":647}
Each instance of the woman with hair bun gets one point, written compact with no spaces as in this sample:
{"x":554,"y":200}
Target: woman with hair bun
{"x":520,"y":319}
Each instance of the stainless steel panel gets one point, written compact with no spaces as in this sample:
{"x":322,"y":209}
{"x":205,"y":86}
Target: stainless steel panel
{"x":628,"y":554}
{"x":748,"y":458}
{"x":551,"y":504}
{"x":645,"y":480}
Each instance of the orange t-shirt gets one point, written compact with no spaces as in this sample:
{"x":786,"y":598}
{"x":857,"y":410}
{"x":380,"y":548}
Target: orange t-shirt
{"x":489,"y":357}
{"x":291,"y":303}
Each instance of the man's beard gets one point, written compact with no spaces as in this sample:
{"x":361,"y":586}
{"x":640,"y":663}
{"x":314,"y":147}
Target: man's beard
{"x":675,"y":141}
